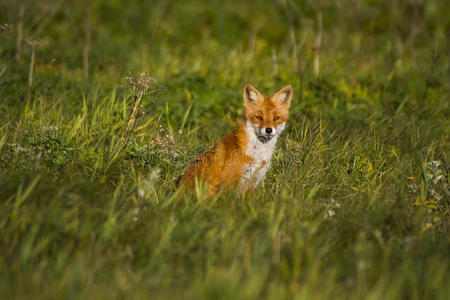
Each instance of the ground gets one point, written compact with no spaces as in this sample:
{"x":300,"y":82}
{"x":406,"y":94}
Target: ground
{"x":356,"y":204}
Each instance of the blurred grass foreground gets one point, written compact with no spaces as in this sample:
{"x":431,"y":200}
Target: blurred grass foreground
{"x":104,"y":103}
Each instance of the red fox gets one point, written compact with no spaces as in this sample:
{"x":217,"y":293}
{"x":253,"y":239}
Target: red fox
{"x":241,"y":159}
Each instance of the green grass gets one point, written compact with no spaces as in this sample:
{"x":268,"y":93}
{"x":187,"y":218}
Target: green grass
{"x":356,"y":204}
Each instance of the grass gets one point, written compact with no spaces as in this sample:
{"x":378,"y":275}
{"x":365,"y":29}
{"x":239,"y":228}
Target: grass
{"x":356,"y":204}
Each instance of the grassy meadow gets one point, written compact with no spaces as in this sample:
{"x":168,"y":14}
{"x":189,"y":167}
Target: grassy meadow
{"x":105,"y":103}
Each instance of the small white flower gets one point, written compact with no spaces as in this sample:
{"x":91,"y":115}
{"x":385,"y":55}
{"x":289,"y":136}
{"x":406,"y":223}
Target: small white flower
{"x":22,"y":149}
{"x":51,"y":128}
{"x":436,"y":163}
{"x":332,"y":206}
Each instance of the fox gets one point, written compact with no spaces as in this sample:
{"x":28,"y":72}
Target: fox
{"x":240,"y":160}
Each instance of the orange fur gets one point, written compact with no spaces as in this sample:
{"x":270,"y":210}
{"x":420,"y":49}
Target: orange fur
{"x":222,"y":166}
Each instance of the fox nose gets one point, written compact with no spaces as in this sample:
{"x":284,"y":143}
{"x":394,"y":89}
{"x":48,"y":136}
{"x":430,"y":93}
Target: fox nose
{"x":269,"y":130}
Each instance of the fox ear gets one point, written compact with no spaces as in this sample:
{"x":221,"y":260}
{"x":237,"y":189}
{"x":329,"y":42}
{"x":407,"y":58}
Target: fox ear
{"x":284,"y":95}
{"x":251,"y":94}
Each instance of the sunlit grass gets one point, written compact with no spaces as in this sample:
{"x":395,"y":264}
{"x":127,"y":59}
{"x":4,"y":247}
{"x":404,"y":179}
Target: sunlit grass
{"x":356,"y":204}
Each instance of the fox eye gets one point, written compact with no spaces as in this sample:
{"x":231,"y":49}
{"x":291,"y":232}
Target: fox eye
{"x":259,"y":118}
{"x":276,"y":118}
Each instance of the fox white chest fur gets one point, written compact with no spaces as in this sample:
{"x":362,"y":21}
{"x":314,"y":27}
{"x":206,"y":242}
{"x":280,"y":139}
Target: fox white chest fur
{"x":261,"y":153}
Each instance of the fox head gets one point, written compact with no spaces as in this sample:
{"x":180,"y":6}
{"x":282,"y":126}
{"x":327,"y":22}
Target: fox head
{"x":266,"y":116}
